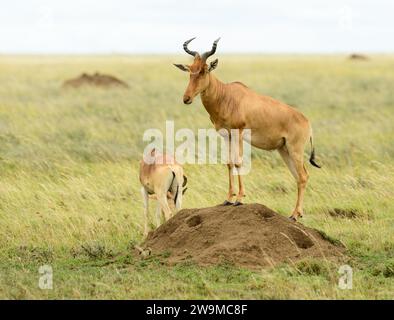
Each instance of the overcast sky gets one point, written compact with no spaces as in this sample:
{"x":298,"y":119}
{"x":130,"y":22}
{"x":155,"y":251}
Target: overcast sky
{"x":124,"y":26}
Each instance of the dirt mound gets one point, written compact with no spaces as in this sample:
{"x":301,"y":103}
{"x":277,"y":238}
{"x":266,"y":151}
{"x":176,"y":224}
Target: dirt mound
{"x":97,"y":79}
{"x":357,"y":56}
{"x":250,"y":235}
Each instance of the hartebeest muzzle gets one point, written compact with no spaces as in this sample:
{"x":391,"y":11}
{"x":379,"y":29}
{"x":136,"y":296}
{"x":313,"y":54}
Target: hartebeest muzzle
{"x":187,"y":99}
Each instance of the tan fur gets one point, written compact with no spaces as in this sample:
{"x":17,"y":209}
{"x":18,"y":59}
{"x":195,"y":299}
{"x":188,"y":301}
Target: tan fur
{"x":274,"y":125}
{"x":162,"y":180}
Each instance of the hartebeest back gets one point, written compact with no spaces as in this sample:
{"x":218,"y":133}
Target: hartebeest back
{"x":273,"y":124}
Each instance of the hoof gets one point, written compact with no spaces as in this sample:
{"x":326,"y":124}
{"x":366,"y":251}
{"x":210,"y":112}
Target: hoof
{"x":292,"y":218}
{"x":238,"y":203}
{"x":227,"y":203}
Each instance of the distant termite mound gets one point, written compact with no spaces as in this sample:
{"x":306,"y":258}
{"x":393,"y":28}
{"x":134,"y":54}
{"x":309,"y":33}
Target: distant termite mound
{"x":358,"y":56}
{"x":96,"y":80}
{"x":251,"y":236}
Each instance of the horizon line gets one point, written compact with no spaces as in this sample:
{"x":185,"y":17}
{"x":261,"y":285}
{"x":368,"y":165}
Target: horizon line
{"x":117,"y":53}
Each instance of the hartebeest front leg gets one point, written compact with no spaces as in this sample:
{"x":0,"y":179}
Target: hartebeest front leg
{"x":145,"y":198}
{"x":234,"y":144}
{"x":238,"y":161}
{"x":230,"y":167}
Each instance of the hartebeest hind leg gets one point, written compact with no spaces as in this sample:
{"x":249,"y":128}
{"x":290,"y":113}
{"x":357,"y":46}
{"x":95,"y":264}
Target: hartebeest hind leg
{"x":158,"y":214}
{"x":294,"y":159}
{"x":162,"y":198}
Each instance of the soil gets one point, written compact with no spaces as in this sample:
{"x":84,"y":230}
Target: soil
{"x":97,"y":80}
{"x":250,"y":235}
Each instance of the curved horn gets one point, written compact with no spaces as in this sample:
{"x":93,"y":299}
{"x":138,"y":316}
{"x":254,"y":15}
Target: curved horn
{"x":192,"y":53}
{"x":207,"y":54}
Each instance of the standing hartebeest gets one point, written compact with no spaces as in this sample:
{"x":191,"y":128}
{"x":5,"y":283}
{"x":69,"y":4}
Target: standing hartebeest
{"x":162,"y":178}
{"x":273,"y":124}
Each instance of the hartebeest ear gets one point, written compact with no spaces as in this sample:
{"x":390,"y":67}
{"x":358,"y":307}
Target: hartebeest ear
{"x":213,"y":65}
{"x":183,"y":67}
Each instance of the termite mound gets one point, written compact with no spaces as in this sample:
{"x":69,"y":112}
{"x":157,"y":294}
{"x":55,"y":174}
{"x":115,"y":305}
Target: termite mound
{"x":250,"y":235}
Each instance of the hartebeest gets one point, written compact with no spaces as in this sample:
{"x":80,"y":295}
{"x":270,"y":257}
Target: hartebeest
{"x":161,"y":178}
{"x":273,"y":124}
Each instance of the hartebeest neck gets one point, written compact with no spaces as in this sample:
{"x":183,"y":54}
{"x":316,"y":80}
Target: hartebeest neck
{"x":213,"y":96}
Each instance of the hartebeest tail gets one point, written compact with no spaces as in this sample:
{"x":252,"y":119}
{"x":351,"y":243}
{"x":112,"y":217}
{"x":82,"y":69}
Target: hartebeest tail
{"x":184,"y":186}
{"x":176,"y":184}
{"x":312,"y":157}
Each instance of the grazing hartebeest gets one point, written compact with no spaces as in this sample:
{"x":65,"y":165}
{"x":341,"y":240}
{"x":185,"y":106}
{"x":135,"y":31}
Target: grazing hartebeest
{"x":162,"y":178}
{"x":273,"y":124}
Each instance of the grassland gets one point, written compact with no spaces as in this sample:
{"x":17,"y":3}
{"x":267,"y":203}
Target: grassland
{"x":69,"y":190}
